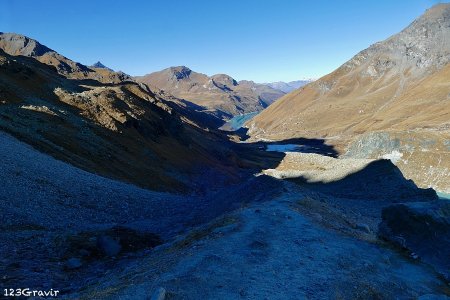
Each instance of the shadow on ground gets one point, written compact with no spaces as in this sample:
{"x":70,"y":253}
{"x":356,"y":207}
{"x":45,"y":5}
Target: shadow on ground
{"x":379,"y":180}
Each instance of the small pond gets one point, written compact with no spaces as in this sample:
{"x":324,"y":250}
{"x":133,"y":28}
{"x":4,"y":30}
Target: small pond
{"x":314,"y":148}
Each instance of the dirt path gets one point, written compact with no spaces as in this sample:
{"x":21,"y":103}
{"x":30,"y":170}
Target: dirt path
{"x":271,"y":250}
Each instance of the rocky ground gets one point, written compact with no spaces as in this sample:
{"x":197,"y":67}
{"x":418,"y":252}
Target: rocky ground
{"x":300,"y":245}
{"x":96,"y":238}
{"x":55,"y":216}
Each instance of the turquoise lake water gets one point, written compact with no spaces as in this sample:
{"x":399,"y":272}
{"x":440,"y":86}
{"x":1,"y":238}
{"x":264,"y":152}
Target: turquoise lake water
{"x":443,"y":195}
{"x":238,"y":121}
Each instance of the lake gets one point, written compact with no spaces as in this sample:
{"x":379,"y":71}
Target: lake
{"x":443,"y":195}
{"x":237,"y":122}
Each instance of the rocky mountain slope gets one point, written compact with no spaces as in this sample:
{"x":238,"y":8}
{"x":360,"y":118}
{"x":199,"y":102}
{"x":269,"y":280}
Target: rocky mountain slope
{"x":16,"y":44}
{"x":121,"y":131}
{"x":288,"y":87}
{"x":398,"y":87}
{"x":219,"y":94}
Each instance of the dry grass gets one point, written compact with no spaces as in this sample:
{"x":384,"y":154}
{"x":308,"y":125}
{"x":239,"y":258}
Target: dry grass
{"x":204,"y":232}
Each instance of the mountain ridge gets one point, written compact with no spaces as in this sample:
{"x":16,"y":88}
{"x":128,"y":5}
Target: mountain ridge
{"x":91,"y":124}
{"x":220,"y":94}
{"x":288,"y":87}
{"x":18,"y":44}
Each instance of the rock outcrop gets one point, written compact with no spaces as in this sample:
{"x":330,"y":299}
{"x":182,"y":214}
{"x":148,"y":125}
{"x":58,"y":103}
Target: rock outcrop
{"x":423,"y":157}
{"x":423,"y":228}
{"x":350,"y":178}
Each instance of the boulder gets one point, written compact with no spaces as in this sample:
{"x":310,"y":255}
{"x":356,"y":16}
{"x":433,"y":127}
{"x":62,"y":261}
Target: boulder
{"x":422,"y":228}
{"x":73,"y":263}
{"x":159,"y":294}
{"x":111,"y":242}
{"x":108,"y":246}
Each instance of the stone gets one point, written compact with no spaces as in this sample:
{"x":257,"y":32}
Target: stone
{"x":73,"y":263}
{"x":363,"y":227}
{"x":108,"y":246}
{"x":159,"y":294}
{"x":122,"y":239}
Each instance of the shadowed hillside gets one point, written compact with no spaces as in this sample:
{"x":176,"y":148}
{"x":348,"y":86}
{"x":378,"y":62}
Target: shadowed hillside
{"x":122,"y":131}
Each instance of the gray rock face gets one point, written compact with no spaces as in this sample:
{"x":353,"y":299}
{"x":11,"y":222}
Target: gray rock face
{"x":368,"y":146}
{"x":16,"y":44}
{"x":422,"y":157}
{"x":423,"y":46}
{"x":180,"y":72}
{"x":422,"y":228}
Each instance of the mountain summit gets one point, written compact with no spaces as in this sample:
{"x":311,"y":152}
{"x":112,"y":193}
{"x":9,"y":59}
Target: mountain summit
{"x":16,"y":44}
{"x":394,"y":86}
{"x":99,"y":65}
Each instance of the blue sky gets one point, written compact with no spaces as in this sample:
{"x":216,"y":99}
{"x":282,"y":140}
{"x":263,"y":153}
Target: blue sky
{"x":260,"y":40}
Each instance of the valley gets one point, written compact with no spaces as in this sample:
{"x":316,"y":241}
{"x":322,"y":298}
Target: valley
{"x":182,"y":185}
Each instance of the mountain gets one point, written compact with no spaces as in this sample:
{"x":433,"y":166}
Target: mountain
{"x":288,"y":87}
{"x":16,"y":44}
{"x":99,"y":65}
{"x":398,"y":88}
{"x":123,"y":131}
{"x":81,"y":155}
{"x":114,"y":190}
{"x":219,"y":94}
